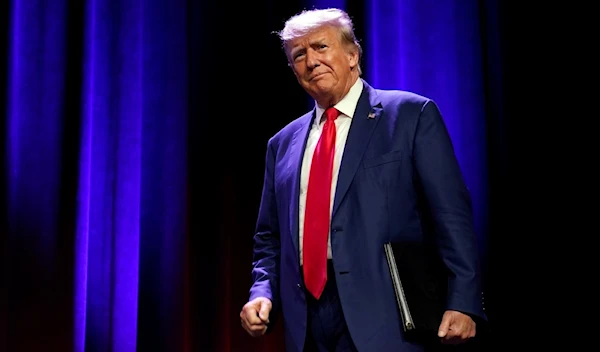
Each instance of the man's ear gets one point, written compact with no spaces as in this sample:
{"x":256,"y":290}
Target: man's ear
{"x":353,"y":58}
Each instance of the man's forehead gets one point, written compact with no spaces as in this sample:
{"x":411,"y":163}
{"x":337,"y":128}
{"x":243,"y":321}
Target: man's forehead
{"x":317,"y":36}
{"x":300,"y":42}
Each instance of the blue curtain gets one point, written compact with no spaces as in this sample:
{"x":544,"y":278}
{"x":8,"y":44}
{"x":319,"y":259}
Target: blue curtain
{"x":133,"y":136}
{"x":434,"y":48}
{"x":97,"y":99}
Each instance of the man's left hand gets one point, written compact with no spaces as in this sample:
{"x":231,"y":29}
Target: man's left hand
{"x":456,"y":327}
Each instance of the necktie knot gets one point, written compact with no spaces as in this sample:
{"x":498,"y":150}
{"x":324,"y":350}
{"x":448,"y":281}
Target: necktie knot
{"x":331,"y":114}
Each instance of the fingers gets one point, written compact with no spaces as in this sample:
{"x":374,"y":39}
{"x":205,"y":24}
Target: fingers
{"x":254,"y":316}
{"x":456,"y":328}
{"x":455,"y":337}
{"x":263,"y":314}
{"x":251,"y":322}
{"x":254,"y":330}
{"x":444,"y":325}
{"x":250,"y":316}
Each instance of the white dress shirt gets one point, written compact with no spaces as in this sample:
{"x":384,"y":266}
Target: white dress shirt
{"x":346,"y":107}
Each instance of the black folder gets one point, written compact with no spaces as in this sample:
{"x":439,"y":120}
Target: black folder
{"x":420,"y":283}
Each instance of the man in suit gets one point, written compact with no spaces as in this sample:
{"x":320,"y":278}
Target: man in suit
{"x":364,"y":167}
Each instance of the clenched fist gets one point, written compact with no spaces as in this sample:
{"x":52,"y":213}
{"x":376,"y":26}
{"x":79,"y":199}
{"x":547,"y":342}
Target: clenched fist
{"x":255,"y":316}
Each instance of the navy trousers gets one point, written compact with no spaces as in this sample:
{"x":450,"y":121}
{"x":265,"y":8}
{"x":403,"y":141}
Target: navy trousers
{"x":327,"y":330}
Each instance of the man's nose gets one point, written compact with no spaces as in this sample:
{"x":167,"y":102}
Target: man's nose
{"x":312,"y":60}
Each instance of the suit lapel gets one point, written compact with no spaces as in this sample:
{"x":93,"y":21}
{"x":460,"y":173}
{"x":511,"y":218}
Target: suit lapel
{"x":297,"y":147}
{"x":366,"y":117}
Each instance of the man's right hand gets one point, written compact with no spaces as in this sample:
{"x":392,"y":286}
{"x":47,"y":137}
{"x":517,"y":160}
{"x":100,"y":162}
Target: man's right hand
{"x":255,"y":316}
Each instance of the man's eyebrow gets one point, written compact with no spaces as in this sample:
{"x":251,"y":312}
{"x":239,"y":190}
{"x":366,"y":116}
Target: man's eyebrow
{"x":313,"y":42}
{"x":295,"y":50}
{"x":318,"y":41}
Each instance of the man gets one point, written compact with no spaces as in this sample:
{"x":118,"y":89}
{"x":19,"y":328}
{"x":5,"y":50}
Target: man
{"x":364,"y":167}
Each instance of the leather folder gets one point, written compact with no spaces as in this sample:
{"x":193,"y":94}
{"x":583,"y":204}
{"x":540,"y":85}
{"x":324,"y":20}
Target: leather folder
{"x":420,"y":283}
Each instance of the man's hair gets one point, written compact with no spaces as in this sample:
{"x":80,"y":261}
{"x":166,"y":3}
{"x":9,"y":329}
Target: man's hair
{"x":309,"y":20}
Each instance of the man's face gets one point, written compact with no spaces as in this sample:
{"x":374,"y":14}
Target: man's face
{"x":324,"y":67}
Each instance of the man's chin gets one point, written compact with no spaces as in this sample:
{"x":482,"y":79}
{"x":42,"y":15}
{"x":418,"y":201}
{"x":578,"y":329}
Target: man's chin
{"x":322,"y":87}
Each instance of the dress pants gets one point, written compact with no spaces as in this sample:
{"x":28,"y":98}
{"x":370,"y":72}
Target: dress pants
{"x":327,"y":330}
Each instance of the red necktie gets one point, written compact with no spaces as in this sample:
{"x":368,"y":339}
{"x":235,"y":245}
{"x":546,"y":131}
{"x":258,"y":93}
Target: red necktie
{"x":317,"y":211}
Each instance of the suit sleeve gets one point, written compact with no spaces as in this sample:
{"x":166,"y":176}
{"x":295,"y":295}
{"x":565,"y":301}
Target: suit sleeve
{"x":450,"y":207}
{"x":265,"y":262}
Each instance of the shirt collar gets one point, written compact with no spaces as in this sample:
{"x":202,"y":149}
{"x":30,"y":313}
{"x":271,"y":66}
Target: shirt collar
{"x":347,"y":105}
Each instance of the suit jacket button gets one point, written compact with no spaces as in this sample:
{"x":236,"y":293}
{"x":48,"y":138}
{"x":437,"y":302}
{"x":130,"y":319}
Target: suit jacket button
{"x":299,"y":286}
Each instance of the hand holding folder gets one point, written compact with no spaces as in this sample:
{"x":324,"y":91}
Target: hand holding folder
{"x":420,"y":283}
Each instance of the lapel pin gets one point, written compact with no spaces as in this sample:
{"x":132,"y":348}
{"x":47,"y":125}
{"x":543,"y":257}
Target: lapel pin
{"x":371,"y":115}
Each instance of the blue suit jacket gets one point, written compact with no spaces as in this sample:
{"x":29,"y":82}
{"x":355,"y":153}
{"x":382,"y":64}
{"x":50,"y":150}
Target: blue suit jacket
{"x":398,"y":157}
